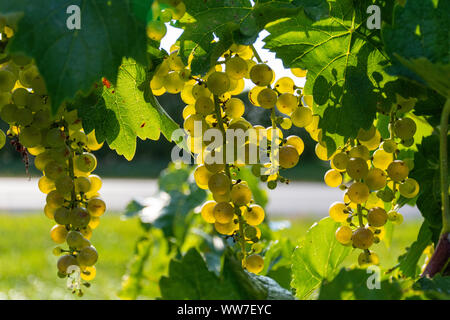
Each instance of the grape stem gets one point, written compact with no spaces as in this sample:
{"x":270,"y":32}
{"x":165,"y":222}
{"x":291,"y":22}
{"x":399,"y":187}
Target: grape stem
{"x":71,"y":171}
{"x":444,"y":167}
{"x":255,"y":53}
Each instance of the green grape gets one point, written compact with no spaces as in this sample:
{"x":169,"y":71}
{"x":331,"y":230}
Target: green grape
{"x":64,"y":185}
{"x":261,"y":75}
{"x":218,"y":83}
{"x":175,"y":62}
{"x":236,"y":68}
{"x":5,"y":98}
{"x":219,"y":183}
{"x":85,"y":162}
{"x":9,"y":113}
{"x":376,"y":179}
{"x":382,"y":159}
{"x":191,"y":122}
{"x":20,"y":97}
{"x":65,"y":262}
{"x":36,"y":103}
{"x":285,"y":85}
{"x":200,"y":90}
{"x":333,"y":178}
{"x":254,"y":215}
{"x":366,"y":135}
{"x":24,"y":117}
{"x":27,"y":75}
{"x":173,"y":82}
{"x":87,"y":256}
{"x":83,"y":185}
{"x":287,"y":103}
{"x":202,"y":176}
{"x":286,"y":123}
{"x":344,"y":235}
{"x":207,"y":211}
{"x":20,"y":59}
{"x":377,"y":217}
{"x":409,"y":188}
{"x":405,"y":128}
{"x":166,"y":15}
{"x":38,"y":85}
{"x":49,"y":212}
{"x":76,"y":240}
{"x":267,"y":98}
{"x":297,"y":143}
{"x":387,"y":195}
{"x":362,"y":238}
{"x":357,"y":168}
{"x":358,"y":192}
{"x":254,"y":263}
{"x":53,"y":170}
{"x":7,"y":80}
{"x":321,"y":152}
{"x":156,"y":30}
{"x":62,"y":216}
{"x":395,"y":217}
{"x":288,"y":156}
{"x":79,"y":217}
{"x":340,"y":161}
{"x":55,"y":137}
{"x":250,"y":232}
{"x":360,"y":151}
{"x":302,"y":117}
{"x":366,"y":259}
{"x":223,"y":212}
{"x":46,"y":185}
{"x":226,"y":197}
{"x":30,"y":137}
{"x":96,"y":183}
{"x":241,"y":194}
{"x":389,"y":146}
{"x":55,"y":199}
{"x":2,"y":139}
{"x":234,"y":108}
{"x":41,"y":119}
{"x":178,"y":10}
{"x":398,"y":170}
{"x":96,"y":207}
{"x":204,"y":106}
{"x":79,"y":139}
{"x":408,"y":143}
{"x":338,"y":211}
{"x":58,"y":234}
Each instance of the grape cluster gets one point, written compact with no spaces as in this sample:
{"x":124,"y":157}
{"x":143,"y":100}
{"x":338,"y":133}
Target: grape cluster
{"x":211,"y":103}
{"x":373,"y":177}
{"x":167,"y":10}
{"x":63,"y":153}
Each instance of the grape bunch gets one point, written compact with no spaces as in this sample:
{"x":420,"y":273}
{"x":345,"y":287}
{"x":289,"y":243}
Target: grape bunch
{"x":63,"y":153}
{"x":373,"y":177}
{"x":211,"y":104}
{"x":167,"y":10}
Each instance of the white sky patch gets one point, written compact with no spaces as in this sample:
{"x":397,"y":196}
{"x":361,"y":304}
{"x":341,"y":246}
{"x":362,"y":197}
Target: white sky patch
{"x":268,"y":57}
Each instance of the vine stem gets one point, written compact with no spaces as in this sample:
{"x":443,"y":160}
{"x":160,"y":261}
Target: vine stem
{"x":444,"y":167}
{"x":71,"y":167}
{"x":256,"y":54}
{"x":227,"y":171}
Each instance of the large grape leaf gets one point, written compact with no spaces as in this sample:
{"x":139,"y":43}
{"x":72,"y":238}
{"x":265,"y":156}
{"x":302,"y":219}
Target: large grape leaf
{"x":344,"y":62}
{"x":418,"y":42}
{"x":317,"y":258}
{"x":190,"y":279}
{"x":120,"y":113}
{"x":427,"y":173}
{"x":72,"y":60}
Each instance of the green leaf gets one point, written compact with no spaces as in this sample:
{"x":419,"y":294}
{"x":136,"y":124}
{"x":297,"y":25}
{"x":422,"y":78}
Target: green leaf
{"x":314,"y":9}
{"x":353,"y":285}
{"x":419,"y":39}
{"x":317,"y":258}
{"x":204,"y":20}
{"x":427,"y":173}
{"x":436,"y":288}
{"x":190,"y":279}
{"x":408,"y":262}
{"x":124,"y":111}
{"x":277,"y":261}
{"x":72,"y":60}
{"x":344,"y":66}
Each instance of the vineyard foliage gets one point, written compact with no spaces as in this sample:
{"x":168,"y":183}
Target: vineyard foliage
{"x":359,"y":79}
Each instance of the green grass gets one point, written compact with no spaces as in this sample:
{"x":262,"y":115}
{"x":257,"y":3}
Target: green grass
{"x":28,"y":270}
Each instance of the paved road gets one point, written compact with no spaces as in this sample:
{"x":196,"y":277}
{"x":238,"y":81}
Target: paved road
{"x":295,"y":199}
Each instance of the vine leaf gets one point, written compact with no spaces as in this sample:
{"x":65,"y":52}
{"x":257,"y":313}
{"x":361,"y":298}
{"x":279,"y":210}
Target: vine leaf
{"x":317,"y":258}
{"x":120,"y":113}
{"x":418,"y":43}
{"x":345,"y":68}
{"x":72,"y":60}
